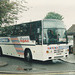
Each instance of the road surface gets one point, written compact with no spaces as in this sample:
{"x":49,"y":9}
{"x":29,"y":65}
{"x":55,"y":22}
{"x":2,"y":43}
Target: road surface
{"x":18,"y":65}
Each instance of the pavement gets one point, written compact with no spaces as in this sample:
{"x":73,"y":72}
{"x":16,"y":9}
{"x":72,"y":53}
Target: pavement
{"x":70,"y":58}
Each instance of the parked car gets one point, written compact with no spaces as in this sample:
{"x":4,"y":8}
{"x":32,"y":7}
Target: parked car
{"x":70,"y":46}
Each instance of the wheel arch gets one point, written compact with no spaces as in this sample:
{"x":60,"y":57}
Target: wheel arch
{"x":1,"y":50}
{"x":27,"y":49}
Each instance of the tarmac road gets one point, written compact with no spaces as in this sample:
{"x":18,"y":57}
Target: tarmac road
{"x":18,"y":65}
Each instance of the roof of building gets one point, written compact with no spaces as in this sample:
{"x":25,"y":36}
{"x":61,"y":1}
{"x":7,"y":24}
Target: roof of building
{"x":71,"y":30}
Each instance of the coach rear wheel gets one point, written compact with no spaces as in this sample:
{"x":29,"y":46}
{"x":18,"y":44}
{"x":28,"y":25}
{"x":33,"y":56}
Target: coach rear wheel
{"x":1,"y":52}
{"x":28,"y":55}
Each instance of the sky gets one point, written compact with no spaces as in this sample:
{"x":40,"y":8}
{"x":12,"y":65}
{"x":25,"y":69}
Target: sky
{"x":39,"y":8}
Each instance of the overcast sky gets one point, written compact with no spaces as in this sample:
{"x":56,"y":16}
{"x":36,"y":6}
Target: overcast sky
{"x":39,"y":8}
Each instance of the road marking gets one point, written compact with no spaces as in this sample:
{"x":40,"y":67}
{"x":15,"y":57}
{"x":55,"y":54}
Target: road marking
{"x":53,"y":73}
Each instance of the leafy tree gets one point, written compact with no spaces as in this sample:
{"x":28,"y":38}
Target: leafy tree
{"x":53,"y":15}
{"x":9,"y":10}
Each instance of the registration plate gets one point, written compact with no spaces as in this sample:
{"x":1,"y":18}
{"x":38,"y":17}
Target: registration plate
{"x":58,"y":53}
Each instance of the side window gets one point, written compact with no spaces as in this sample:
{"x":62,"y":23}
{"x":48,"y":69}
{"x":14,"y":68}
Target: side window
{"x":18,"y":30}
{"x":4,"y":32}
{"x":21,"y":30}
{"x":33,"y":31}
{"x":13,"y":31}
{"x":24,"y":29}
{"x":1,"y":31}
{"x":8,"y":31}
{"x":39,"y":33}
{"x":36,"y":32}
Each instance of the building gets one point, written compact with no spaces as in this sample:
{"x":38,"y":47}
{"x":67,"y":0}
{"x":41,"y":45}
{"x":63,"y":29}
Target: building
{"x":71,"y":31}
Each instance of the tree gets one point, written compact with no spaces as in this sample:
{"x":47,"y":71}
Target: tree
{"x":9,"y":11}
{"x":53,"y":15}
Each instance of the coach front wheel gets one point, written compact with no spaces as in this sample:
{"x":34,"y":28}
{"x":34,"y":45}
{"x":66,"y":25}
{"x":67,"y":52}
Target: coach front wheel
{"x":28,"y":56}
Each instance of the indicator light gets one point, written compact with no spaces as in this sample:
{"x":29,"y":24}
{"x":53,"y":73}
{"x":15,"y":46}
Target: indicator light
{"x":68,"y":50}
{"x":47,"y":51}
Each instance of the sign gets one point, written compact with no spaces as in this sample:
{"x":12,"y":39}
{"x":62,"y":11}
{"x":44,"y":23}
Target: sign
{"x":25,"y":39}
{"x":4,"y":40}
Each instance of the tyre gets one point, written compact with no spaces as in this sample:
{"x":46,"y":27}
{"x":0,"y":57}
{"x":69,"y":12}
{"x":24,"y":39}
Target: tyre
{"x":70,"y":49}
{"x":1,"y":52}
{"x":28,"y":56}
